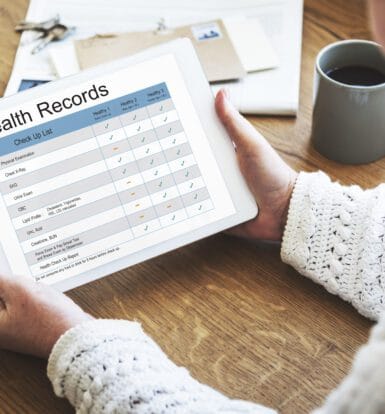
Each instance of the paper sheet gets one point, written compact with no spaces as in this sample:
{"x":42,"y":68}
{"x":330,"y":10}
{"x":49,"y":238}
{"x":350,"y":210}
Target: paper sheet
{"x":211,"y":41}
{"x":270,"y":92}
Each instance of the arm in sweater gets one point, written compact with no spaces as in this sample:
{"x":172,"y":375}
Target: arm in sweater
{"x":112,"y":366}
{"x":334,"y":235}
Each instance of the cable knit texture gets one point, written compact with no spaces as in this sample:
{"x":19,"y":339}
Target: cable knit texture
{"x":335,"y":236}
{"x":108,"y":366}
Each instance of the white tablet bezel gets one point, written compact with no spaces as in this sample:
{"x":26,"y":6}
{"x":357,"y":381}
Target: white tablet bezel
{"x":223,"y":150}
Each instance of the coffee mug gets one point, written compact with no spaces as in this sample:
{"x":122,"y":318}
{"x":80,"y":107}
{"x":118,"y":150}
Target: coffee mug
{"x":349,"y":102}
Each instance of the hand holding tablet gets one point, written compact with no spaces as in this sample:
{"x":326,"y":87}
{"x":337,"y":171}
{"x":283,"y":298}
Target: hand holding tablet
{"x":96,"y":185}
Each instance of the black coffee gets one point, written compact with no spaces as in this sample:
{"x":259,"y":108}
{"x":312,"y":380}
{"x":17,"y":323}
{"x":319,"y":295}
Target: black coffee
{"x":357,"y":75}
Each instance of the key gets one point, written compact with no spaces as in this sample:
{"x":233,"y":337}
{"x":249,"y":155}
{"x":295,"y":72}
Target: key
{"x":57,"y":32}
{"x":38,"y":27}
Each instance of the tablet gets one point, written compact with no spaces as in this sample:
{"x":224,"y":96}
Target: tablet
{"x":113,"y":166}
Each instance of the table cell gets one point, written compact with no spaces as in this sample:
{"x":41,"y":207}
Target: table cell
{"x":138,"y":127}
{"x":156,"y":172}
{"x":199,"y":208}
{"x":128,"y":182}
{"x":195,"y":196}
{"x":160,"y":184}
{"x":164,"y":195}
{"x":133,"y":117}
{"x":165,"y":118}
{"x":169,"y":206}
{"x":119,"y":160}
{"x":111,"y":137}
{"x":146,"y":228}
{"x":172,"y":128}
{"x":114,"y":149}
{"x":178,"y":152}
{"x":160,"y":107}
{"x":147,"y":150}
{"x":142,"y":138}
{"x":182,"y":163}
{"x":107,"y":125}
{"x":141,"y":217}
{"x":191,"y":185}
{"x":151,"y":161}
{"x":141,"y":204}
{"x":173,"y":140}
{"x":133,"y":194}
{"x":186,"y":174}
{"x":173,"y":218}
{"x":124,"y":171}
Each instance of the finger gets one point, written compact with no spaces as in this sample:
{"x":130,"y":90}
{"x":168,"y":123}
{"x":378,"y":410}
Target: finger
{"x":240,"y":130}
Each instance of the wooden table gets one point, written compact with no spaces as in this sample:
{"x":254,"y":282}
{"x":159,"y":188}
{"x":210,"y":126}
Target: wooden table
{"x":229,"y":310}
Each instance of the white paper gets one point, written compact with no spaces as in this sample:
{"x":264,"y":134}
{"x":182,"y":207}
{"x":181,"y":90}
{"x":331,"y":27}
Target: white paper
{"x":271,"y":92}
{"x":251,"y":43}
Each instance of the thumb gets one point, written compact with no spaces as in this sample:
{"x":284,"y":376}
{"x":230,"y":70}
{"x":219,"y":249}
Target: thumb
{"x":240,"y":130}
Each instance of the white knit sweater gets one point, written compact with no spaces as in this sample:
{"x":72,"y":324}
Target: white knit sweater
{"x":334,"y":235}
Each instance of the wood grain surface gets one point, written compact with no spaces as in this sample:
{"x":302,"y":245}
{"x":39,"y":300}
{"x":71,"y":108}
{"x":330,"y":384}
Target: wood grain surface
{"x":229,"y":310}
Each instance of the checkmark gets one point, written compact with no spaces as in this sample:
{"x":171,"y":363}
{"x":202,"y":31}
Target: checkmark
{"x":182,"y":163}
{"x":191,"y":185}
{"x":143,"y":139}
{"x":169,"y":130}
{"x":134,"y":117}
{"x":156,"y":172}
{"x":196,"y":196}
{"x":106,"y":126}
{"x":161,"y":108}
{"x":173,"y":217}
{"x":164,"y":195}
{"x":112,"y":136}
{"x":120,"y":159}
{"x":147,"y":150}
{"x":165,"y":119}
{"x":146,"y":228}
{"x":187,"y":174}
{"x":139,"y":128}
{"x":152,"y":161}
{"x":200,"y":207}
{"x":174,"y":141}
{"x":178,"y":152}
{"x":160,"y":184}
{"x":124,"y":171}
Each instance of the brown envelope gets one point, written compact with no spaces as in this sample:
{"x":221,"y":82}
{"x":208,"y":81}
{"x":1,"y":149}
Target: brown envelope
{"x":211,"y":41}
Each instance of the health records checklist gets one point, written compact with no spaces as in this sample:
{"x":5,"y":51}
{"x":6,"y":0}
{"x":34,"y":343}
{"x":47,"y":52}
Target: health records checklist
{"x":105,"y":168}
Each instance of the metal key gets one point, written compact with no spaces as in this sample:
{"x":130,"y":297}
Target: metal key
{"x":56,"y":32}
{"x":37,"y":27}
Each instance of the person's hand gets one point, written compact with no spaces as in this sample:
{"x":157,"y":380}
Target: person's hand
{"x":33,"y":316}
{"x":269,"y":178}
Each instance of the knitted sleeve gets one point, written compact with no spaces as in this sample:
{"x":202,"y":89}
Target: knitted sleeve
{"x":335,"y":236}
{"x":112,"y":366}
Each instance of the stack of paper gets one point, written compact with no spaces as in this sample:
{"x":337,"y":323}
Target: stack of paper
{"x":273,"y":91}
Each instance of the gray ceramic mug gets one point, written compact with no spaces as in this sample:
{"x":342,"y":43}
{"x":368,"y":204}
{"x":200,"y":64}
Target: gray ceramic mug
{"x":348,"y":120}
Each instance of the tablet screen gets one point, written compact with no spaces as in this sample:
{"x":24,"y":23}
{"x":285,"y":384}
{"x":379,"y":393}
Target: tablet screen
{"x":97,"y":171}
